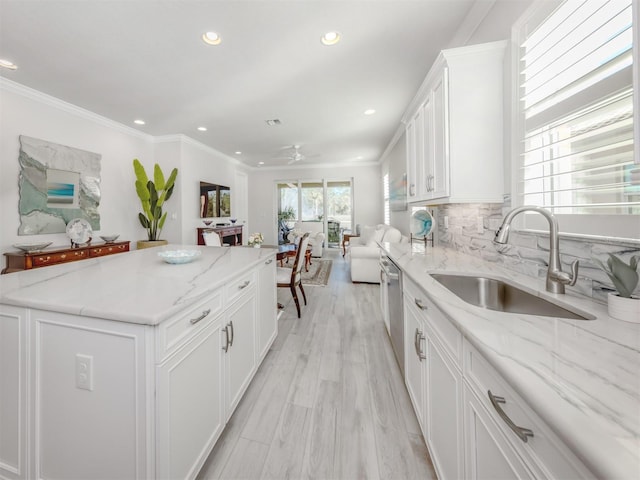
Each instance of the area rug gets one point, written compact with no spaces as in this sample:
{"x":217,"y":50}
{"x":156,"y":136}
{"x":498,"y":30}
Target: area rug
{"x":318,"y":274}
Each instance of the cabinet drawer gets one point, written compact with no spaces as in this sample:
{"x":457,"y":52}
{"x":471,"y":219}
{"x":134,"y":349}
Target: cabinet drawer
{"x":238,"y":286}
{"x":447,"y":332}
{"x":108,"y":250}
{"x":545,"y":454}
{"x":177,"y":331}
{"x":62,"y":257}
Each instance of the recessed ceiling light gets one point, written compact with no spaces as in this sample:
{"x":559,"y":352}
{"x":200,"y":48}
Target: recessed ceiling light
{"x":330,"y":38}
{"x":359,"y":157}
{"x":202,"y":129}
{"x":238,"y":152}
{"x":139,"y":122}
{"x":260,"y":163}
{"x":211,"y":38}
{"x":8,"y":64}
{"x":370,"y":111}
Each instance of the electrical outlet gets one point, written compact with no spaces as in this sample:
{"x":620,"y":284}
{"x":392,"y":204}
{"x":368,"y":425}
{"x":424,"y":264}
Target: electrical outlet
{"x":84,"y":372}
{"x":480,"y":224}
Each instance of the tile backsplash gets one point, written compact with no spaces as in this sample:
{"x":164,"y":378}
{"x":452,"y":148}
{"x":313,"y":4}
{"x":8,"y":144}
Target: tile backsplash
{"x":527,"y":253}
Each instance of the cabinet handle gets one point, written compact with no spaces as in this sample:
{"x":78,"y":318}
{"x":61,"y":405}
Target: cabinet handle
{"x":244,"y":285}
{"x":420,"y":305}
{"x":202,"y":315}
{"x":416,"y":343}
{"x":521,"y":432}
{"x":268,"y":261}
{"x":233,"y":334}
{"x":226,"y":339}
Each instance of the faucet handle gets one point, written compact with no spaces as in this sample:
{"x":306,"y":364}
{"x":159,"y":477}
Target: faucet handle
{"x":574,"y":272}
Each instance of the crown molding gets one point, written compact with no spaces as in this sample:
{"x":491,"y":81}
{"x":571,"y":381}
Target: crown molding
{"x":30,"y":93}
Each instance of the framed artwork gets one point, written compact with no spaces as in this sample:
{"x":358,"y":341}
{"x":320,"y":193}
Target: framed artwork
{"x":57,"y":184}
{"x":398,"y":193}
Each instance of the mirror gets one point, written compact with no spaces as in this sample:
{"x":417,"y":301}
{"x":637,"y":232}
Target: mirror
{"x":215,"y":200}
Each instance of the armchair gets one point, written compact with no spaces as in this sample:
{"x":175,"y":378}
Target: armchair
{"x":316,"y":238}
{"x":364,"y":253}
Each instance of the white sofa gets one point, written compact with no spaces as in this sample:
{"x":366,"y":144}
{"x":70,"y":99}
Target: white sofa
{"x":316,"y":236}
{"x":364,"y":253}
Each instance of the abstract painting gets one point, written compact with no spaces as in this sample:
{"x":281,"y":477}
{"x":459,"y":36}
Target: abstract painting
{"x":57,"y":184}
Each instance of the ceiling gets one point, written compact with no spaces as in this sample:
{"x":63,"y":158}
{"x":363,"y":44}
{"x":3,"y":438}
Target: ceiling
{"x":145,"y":59}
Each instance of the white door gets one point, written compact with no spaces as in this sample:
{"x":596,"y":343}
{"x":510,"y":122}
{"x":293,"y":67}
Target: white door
{"x":440,"y":130}
{"x":240,"y":355}
{"x":190,"y":404}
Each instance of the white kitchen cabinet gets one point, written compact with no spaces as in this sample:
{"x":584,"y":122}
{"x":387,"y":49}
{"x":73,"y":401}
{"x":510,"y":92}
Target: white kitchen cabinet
{"x":454,"y":128}
{"x":415,"y":355}
{"x":13,"y":396}
{"x":434,"y":382}
{"x":239,"y":348}
{"x":489,"y":456}
{"x":267,"y":328}
{"x":444,"y":418}
{"x":190,"y":403}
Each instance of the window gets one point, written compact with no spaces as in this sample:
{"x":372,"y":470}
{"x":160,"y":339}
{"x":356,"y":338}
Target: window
{"x":576,"y":117}
{"x":387,"y":200}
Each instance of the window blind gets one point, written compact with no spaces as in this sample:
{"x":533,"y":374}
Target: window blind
{"x":576,"y":101}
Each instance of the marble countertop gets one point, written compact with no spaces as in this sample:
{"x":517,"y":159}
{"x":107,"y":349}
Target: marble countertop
{"x":581,"y":377}
{"x":135,"y":287}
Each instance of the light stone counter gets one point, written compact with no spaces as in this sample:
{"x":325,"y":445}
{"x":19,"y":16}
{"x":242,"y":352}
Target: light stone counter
{"x":581,"y":377}
{"x":135,"y":287}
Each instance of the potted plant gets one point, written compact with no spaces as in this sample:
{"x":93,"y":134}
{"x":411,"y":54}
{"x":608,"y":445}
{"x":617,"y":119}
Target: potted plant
{"x":255,"y":240}
{"x":153,"y":194}
{"x":623,"y":305}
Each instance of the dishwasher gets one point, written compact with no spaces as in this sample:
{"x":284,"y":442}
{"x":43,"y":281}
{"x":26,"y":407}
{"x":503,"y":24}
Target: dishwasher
{"x":391,"y":277}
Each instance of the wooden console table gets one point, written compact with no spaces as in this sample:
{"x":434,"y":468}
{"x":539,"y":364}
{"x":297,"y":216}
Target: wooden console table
{"x":231,"y":234}
{"x":17,"y":261}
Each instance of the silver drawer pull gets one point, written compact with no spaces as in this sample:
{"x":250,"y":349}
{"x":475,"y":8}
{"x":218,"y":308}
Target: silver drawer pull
{"x":420,"y":305}
{"x":244,"y":285}
{"x":521,"y":432}
{"x":268,"y":261}
{"x":226,"y":337}
{"x":202,"y":315}
{"x":233,"y":333}
{"x":416,"y":343}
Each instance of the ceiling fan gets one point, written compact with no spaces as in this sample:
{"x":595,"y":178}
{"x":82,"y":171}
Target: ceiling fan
{"x":294,"y":154}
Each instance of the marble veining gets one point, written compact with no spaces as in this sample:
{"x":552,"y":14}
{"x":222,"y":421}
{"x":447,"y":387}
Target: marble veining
{"x":135,"y":287}
{"x":582,"y":377}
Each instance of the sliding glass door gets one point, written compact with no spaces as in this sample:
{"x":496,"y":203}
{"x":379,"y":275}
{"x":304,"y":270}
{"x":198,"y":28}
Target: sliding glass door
{"x":320,"y":205}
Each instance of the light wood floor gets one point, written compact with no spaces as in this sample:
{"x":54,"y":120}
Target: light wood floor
{"x":328,"y":401}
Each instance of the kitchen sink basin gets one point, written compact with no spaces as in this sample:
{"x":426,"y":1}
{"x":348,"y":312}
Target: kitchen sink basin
{"x":498,"y":295}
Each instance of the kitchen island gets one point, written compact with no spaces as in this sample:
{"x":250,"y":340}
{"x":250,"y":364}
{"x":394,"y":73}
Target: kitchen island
{"x":126,"y":366}
{"x":570,"y":387}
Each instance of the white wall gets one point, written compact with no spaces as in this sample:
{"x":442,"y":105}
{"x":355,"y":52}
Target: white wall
{"x":28,"y":112}
{"x":367,"y":190}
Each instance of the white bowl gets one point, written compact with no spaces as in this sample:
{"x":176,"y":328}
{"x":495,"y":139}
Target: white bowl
{"x":109,"y":238}
{"x":32,"y":247}
{"x":179,"y":256}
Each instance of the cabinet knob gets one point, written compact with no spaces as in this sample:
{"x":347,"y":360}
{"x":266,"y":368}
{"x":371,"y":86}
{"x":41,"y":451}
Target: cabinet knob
{"x":420,"y":305}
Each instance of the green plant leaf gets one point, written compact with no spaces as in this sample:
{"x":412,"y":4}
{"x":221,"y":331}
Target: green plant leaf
{"x":161,"y":222}
{"x":143,"y":220}
{"x":171,"y":180}
{"x":141,"y":174}
{"x":158,"y":177}
{"x":169,"y":192}
{"x":153,"y":195}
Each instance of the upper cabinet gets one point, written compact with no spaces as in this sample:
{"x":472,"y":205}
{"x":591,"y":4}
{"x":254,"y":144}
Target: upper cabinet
{"x":454,"y":129}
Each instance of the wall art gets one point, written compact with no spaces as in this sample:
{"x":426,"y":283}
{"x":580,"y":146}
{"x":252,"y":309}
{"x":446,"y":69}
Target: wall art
{"x":57,"y":183}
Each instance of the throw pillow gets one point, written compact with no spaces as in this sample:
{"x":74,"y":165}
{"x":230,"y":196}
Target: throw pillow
{"x":376,"y":237}
{"x":366,"y":234}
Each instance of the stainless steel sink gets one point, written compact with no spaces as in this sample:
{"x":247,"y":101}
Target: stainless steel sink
{"x":498,"y":295}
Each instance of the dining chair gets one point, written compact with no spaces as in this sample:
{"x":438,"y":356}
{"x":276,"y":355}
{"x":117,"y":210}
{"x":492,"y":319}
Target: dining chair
{"x":212,"y":239}
{"x":292,"y":277}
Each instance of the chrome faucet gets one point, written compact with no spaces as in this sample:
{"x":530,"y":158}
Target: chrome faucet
{"x":556,"y":278}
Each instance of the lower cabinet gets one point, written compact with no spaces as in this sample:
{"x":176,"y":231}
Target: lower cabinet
{"x":190,"y":404}
{"x":489,"y":456}
{"x":444,"y":411}
{"x":474,"y":424}
{"x":239,"y":350}
{"x":267,"y":327}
